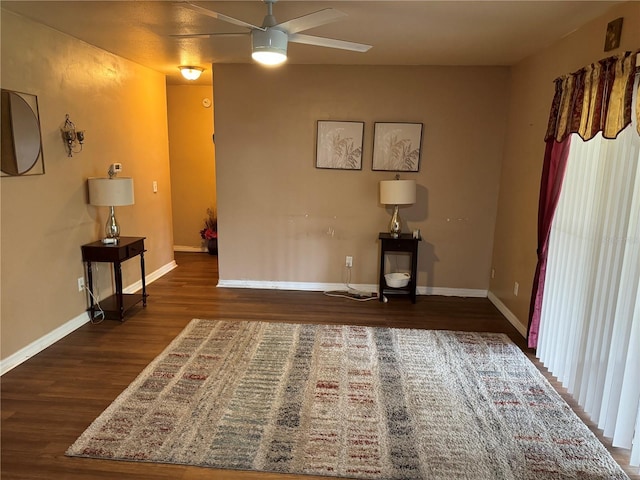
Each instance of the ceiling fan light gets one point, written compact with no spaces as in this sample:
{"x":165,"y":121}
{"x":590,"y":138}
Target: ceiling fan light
{"x":191,"y":73}
{"x":269,"y":47}
{"x":266,"y":57}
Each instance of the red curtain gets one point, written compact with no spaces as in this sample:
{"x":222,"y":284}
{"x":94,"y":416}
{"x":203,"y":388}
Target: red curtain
{"x":597,"y":98}
{"x":555,"y":162}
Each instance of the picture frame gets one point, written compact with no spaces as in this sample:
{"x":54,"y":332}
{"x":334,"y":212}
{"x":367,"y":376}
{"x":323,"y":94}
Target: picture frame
{"x":397,"y":147}
{"x":20,"y":138}
{"x":612,"y":37}
{"x":339,"y":145}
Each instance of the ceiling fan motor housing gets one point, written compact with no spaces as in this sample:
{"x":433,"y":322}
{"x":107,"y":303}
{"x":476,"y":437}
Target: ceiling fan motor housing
{"x":271,"y":40}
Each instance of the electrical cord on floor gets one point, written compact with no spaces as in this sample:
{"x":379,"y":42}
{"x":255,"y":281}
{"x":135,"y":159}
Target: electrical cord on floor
{"x":99,"y":313}
{"x":351,"y":293}
{"x":349,"y":296}
{"x":96,"y":303}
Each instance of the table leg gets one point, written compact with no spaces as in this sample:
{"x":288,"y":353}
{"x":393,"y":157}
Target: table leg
{"x":90,"y":286}
{"x":381,"y":281}
{"x":414,"y":272}
{"x":117,"y":269}
{"x":144,"y":284}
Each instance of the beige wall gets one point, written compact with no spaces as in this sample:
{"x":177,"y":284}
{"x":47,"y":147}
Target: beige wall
{"x":281,"y":219}
{"x":193,"y":175}
{"x":531,"y":93}
{"x":45,"y":219}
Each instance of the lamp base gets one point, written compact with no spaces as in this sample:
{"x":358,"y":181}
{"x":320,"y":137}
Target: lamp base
{"x":112,"y":229}
{"x":395,"y":225}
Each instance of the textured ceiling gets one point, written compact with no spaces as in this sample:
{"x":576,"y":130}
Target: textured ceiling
{"x":402,"y":32}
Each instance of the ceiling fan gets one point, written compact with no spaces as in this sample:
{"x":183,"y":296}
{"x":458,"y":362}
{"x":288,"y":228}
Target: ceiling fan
{"x":269,"y":41}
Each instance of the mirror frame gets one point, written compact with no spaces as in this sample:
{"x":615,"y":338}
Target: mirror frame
{"x":21,"y":137}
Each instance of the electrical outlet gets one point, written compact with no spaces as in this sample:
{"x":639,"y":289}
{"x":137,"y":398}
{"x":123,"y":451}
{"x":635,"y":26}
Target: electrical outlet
{"x":80,"y":284}
{"x":348,"y":262}
{"x":516,"y":287}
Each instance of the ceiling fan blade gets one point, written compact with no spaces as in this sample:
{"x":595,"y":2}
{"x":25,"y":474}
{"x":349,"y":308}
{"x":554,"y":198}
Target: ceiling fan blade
{"x":328,"y":42}
{"x":311,"y":20}
{"x":219,"y":16}
{"x":208,"y":35}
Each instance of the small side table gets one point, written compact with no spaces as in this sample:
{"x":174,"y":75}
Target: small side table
{"x":404,"y":243}
{"x":118,"y":304}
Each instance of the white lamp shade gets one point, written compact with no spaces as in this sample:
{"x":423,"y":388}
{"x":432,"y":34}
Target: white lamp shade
{"x":110,"y":192}
{"x":398,"y":192}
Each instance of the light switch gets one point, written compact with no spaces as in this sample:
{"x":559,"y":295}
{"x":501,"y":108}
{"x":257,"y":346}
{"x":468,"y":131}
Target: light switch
{"x":155,"y":186}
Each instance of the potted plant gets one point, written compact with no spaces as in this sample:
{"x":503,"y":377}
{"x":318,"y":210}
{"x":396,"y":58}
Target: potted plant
{"x":210,"y":232}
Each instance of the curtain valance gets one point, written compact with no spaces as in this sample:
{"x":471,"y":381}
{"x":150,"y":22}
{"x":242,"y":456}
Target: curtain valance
{"x":596,"y":98}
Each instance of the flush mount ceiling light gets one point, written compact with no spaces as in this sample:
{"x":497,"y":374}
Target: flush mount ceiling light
{"x":191,"y":73}
{"x":269,"y":47}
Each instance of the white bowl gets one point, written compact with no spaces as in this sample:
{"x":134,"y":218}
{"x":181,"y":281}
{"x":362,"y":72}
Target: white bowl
{"x":397,"y":280}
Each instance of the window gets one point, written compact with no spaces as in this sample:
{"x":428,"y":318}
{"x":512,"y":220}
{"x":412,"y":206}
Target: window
{"x":590,"y":322}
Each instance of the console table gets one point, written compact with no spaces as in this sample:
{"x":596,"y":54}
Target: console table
{"x":404,"y":243}
{"x":118,"y":304}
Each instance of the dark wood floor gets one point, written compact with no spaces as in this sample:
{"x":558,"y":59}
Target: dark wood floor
{"x":48,"y":401}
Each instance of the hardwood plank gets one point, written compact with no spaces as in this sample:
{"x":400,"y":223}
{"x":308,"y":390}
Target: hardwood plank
{"x":48,"y":401}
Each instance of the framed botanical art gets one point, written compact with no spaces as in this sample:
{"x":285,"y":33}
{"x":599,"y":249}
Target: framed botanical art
{"x":396,"y":147}
{"x":339,"y":145}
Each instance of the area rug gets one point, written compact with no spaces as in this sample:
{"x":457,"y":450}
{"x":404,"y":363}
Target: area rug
{"x":347,"y":401}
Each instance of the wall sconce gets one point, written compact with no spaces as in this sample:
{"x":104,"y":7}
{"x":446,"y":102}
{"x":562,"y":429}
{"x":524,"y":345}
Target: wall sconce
{"x":191,"y":73}
{"x":72,"y":137}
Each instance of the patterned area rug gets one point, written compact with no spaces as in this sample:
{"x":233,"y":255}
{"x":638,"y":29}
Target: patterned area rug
{"x":347,"y":401}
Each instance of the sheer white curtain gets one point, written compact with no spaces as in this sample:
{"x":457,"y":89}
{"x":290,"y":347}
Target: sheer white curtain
{"x":590,"y":322}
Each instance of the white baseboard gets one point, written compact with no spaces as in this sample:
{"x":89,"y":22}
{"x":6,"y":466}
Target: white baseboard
{"x":50,"y":338}
{"x":186,"y":248}
{"x":62,"y":331}
{"x":302,"y":286}
{"x":43,"y":342}
{"x":324,"y":287}
{"x":513,"y":320}
{"x":452,"y":292}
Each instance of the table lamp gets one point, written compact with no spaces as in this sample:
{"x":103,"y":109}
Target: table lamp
{"x":111,"y":192}
{"x":397,"y":192}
